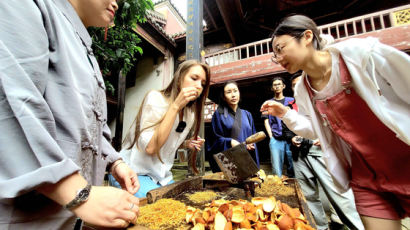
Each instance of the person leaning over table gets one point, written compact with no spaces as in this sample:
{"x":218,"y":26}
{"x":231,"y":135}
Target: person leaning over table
{"x":310,"y":170}
{"x":163,"y":124}
{"x":55,"y":145}
{"x":353,"y":96}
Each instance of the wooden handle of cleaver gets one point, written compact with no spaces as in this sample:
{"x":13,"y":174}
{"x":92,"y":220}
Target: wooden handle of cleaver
{"x":255,"y":137}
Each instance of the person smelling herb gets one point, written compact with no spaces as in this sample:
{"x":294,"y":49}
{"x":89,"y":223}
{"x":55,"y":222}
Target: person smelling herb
{"x":163,"y":123}
{"x":353,"y":96}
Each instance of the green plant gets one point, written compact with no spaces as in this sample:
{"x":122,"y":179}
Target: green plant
{"x":118,"y":52}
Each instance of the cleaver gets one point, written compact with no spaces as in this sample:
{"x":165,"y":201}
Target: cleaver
{"x":236,"y":163}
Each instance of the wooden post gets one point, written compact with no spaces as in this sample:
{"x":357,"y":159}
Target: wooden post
{"x":120,"y":111}
{"x":194,"y":46}
{"x":194,"y":31}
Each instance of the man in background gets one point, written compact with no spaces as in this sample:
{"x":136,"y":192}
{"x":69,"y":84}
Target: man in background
{"x":277,"y":131}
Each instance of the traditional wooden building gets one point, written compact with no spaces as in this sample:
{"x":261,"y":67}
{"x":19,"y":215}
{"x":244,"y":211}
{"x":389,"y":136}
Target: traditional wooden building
{"x":154,"y":68}
{"x":236,"y":39}
{"x":236,"y":44}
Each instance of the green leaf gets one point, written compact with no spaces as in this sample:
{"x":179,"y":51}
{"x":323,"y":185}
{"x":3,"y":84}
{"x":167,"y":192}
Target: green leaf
{"x":109,"y":87}
{"x":119,"y":52}
{"x":139,"y":49}
{"x":126,"y":5}
{"x":120,"y":49}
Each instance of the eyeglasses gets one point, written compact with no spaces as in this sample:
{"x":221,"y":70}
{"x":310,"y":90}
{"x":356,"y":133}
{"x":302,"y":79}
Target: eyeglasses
{"x":279,"y":49}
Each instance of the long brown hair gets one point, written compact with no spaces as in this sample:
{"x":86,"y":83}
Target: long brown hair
{"x":171,"y":92}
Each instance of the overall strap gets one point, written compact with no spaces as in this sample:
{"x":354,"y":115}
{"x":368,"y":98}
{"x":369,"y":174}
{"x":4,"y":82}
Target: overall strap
{"x":345,"y":77}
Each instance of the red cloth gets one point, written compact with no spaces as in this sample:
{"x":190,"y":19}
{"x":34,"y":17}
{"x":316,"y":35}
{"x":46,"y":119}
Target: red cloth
{"x":380,"y":172}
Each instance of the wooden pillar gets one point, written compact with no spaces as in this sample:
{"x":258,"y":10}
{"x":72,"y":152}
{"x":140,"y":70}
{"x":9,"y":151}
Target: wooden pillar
{"x":194,"y":30}
{"x":120,"y":111}
{"x":194,"y":47}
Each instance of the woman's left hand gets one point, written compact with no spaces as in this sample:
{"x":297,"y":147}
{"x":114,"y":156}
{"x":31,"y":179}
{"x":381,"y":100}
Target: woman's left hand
{"x":195,"y":143}
{"x":127,"y":178}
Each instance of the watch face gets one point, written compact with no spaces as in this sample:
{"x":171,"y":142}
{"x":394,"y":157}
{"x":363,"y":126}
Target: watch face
{"x":81,"y":197}
{"x":83,"y":194}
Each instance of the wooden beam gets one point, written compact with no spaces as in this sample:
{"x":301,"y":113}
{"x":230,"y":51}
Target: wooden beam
{"x":144,"y":34}
{"x":227,"y":21}
{"x":212,"y":31}
{"x":261,"y":26}
{"x":210,"y":15}
{"x":239,"y":8}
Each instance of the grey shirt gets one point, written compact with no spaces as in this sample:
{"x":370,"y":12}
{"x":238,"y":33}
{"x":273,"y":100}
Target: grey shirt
{"x":52,"y":110}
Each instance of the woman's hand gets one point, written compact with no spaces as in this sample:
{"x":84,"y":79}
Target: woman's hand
{"x":108,"y":207}
{"x":195,"y":143}
{"x":186,"y":95}
{"x":274,"y":108}
{"x":316,"y":142}
{"x":250,"y":146}
{"x":125,"y":176}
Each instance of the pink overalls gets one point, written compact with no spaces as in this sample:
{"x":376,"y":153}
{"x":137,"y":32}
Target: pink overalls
{"x":380,"y":162}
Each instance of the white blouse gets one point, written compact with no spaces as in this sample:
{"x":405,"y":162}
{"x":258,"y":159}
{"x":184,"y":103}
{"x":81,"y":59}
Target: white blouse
{"x":154,"y":108}
{"x":334,"y":85}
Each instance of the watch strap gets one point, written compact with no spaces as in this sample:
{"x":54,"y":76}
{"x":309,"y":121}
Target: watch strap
{"x":80,"y":197}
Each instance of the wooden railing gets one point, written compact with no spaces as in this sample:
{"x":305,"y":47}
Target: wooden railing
{"x":339,"y":30}
{"x":365,"y":24}
{"x":239,"y":52}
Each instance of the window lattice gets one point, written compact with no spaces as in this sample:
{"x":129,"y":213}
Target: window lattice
{"x":402,"y":17}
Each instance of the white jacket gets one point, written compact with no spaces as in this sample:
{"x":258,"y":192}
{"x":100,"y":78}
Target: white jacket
{"x":374,"y":68}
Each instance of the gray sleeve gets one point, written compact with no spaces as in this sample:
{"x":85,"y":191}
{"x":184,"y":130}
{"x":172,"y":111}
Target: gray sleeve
{"x":29,"y":152}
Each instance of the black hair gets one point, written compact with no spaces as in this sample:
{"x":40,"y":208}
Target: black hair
{"x":222,"y":101}
{"x":278,"y":78}
{"x":295,"y":26}
{"x":295,"y":75}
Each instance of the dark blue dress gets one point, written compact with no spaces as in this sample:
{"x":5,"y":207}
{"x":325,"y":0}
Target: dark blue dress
{"x":220,"y":137}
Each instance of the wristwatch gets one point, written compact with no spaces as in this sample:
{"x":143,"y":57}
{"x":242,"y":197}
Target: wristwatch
{"x":81,"y":197}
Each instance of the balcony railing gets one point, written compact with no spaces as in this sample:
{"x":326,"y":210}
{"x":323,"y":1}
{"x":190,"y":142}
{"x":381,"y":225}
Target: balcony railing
{"x":368,"y":23}
{"x":339,"y":30}
{"x":239,"y":53}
